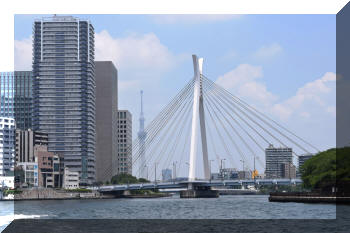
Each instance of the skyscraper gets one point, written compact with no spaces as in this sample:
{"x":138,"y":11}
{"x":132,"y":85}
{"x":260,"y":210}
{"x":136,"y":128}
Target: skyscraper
{"x":64,"y":90}
{"x":106,"y":120}
{"x":124,"y":142}
{"x":141,"y":137}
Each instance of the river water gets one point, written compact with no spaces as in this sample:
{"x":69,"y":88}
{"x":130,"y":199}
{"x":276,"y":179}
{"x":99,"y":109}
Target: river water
{"x":224,"y":207}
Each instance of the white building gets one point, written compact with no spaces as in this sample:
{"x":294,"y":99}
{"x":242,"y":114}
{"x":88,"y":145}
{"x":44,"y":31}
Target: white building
{"x":70,"y":179}
{"x":30,"y":170}
{"x":7,"y":145}
{"x":7,"y":182}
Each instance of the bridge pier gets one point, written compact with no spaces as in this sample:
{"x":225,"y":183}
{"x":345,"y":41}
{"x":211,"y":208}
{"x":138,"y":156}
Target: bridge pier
{"x":195,"y":190}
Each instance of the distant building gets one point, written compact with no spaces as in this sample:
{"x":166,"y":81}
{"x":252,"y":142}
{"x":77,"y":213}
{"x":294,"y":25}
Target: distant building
{"x":166,"y":174}
{"x":106,"y":76}
{"x":31,"y":173}
{"x":64,"y":90}
{"x":7,"y":145}
{"x":289,"y":171}
{"x":244,"y":175}
{"x":26,"y":140}
{"x":228,"y":174}
{"x":50,"y":167}
{"x":71,"y":179}
{"x":275,"y":160}
{"x":124,"y":142}
{"x":301,"y":160}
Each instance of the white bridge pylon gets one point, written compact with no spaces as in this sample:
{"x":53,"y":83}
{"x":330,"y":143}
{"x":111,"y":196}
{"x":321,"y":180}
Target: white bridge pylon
{"x":198,"y":113}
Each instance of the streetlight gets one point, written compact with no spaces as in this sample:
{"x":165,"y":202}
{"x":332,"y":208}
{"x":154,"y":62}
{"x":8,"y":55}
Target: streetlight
{"x":155,"y":173}
{"x":243,"y":168}
{"x":221,"y":172}
{"x":174,"y":167}
{"x":210,"y":169}
{"x":146,"y":171}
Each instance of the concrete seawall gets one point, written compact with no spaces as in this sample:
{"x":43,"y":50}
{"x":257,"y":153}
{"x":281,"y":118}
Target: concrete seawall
{"x":308,"y":198}
{"x":52,"y":194}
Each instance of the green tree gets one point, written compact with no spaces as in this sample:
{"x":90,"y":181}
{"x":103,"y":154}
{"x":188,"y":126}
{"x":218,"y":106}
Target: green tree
{"x":319,"y":172}
{"x":124,"y":179}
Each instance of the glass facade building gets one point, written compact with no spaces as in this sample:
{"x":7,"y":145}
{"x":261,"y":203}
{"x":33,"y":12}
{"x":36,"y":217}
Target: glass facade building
{"x":16,"y":97}
{"x":64,"y":90}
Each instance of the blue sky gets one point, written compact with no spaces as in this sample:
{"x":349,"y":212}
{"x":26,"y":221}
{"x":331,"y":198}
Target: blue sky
{"x":283,"y":64}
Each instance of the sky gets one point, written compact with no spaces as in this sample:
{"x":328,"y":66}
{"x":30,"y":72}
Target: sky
{"x":283,"y":65}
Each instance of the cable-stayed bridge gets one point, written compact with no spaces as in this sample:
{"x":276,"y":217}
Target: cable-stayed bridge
{"x":205,"y":123}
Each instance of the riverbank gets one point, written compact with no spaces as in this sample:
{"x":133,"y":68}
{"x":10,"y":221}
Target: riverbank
{"x":305,"y":197}
{"x":57,"y":194}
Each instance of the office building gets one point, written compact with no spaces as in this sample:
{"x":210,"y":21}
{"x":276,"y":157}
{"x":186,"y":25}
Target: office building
{"x":50,"y":167}
{"x":16,"y":97}
{"x":228,"y":174}
{"x":71,"y":179}
{"x":106,"y":76}
{"x":64,"y":90}
{"x":276,"y":158}
{"x":289,"y":171}
{"x":25,"y":143}
{"x":7,"y":146}
{"x":124,"y":142}
{"x":302,"y":159}
{"x":166,"y":174}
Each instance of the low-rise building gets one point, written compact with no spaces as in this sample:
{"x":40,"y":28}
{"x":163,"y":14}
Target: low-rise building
{"x":71,"y":179}
{"x":166,"y":174}
{"x":30,"y":171}
{"x":7,"y":182}
{"x":50,"y":167}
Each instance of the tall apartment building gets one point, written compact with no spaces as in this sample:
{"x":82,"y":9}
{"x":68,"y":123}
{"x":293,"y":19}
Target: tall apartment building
{"x":7,"y":146}
{"x":16,"y":97}
{"x":124,"y":142}
{"x":64,"y":90}
{"x":106,"y":120}
{"x":26,"y":140}
{"x":276,"y":158}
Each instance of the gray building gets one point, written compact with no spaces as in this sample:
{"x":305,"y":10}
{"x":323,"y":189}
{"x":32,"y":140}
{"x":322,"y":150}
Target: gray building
{"x":26,"y":140}
{"x":23,"y":104}
{"x":124,"y":142}
{"x":301,"y":160}
{"x":106,"y":120}
{"x":276,"y":158}
{"x":64,"y":90}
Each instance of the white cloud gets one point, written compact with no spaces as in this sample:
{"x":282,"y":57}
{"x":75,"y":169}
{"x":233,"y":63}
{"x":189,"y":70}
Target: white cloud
{"x":23,"y":54}
{"x":193,"y":18}
{"x":135,"y":51}
{"x":243,"y":81}
{"x":318,"y":96}
{"x":268,"y":51}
